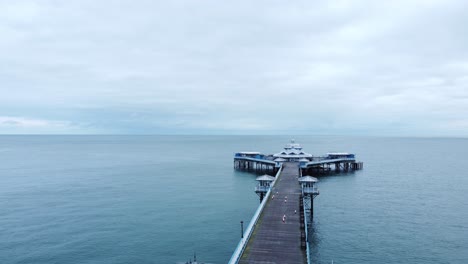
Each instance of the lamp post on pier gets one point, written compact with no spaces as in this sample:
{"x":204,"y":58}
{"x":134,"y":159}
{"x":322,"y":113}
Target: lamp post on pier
{"x":242,"y":229}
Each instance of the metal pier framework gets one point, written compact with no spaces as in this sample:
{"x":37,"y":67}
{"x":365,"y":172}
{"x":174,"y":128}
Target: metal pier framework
{"x":255,"y":162}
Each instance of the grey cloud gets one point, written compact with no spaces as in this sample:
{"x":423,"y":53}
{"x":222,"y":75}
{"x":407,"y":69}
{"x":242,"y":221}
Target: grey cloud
{"x":361,"y":67}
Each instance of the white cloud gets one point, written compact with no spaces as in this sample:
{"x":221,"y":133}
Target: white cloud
{"x":23,"y":125}
{"x":26,"y":122}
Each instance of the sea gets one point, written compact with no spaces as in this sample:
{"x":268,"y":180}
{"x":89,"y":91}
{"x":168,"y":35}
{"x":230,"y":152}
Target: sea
{"x":162,"y":199}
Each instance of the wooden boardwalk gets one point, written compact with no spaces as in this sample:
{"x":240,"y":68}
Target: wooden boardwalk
{"x":275,"y":241}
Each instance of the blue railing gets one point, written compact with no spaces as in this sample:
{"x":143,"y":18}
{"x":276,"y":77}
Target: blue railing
{"x":257,"y":160}
{"x":248,"y":232}
{"x":324,"y":161}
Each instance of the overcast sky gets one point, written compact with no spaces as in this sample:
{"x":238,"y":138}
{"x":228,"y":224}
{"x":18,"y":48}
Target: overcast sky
{"x":234,"y":67}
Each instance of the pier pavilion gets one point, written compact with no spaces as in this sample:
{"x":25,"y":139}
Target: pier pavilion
{"x":293,"y":152}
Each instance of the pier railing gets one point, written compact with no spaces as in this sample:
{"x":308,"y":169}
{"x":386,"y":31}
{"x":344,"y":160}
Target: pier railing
{"x":306,"y":227}
{"x":262,"y":160}
{"x":310,"y":190}
{"x":326,"y":160}
{"x":248,"y":232}
{"x":261,"y":188}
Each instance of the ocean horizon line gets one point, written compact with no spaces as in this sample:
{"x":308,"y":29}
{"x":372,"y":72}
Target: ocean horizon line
{"x":245,"y":135}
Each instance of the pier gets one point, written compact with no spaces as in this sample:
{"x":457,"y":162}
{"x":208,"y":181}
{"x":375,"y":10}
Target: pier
{"x":255,"y":162}
{"x":332,"y":162}
{"x":278,"y":237}
{"x":279,"y":230}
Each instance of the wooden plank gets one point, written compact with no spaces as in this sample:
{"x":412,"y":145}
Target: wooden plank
{"x":275,"y":241}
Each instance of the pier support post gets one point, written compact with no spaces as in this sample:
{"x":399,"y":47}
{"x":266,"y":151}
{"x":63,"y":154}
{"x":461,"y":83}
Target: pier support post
{"x":311,"y":209}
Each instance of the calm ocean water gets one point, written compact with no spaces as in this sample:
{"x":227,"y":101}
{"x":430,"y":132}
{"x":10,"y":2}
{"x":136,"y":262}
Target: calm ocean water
{"x":159,"y":199}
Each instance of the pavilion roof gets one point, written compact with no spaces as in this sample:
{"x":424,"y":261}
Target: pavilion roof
{"x":265,"y":177}
{"x":308,"y":179}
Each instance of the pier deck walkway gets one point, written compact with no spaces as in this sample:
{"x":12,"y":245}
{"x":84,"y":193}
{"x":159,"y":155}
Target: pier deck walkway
{"x":275,"y":241}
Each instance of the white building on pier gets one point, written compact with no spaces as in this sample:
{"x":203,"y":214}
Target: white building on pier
{"x":293,"y":152}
